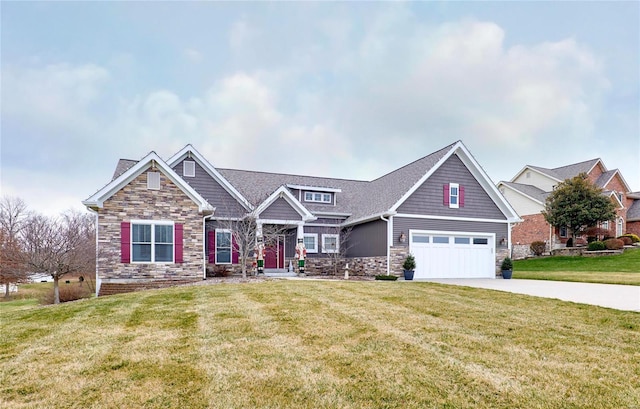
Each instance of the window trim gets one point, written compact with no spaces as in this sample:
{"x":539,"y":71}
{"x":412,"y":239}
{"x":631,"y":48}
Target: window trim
{"x":566,"y":232}
{"x":191,"y":168}
{"x":314,"y":236}
{"x":228,"y":231}
{"x":309,"y":196}
{"x":153,"y":180}
{"x":153,"y":223}
{"x":324,"y":246}
{"x":455,"y":205}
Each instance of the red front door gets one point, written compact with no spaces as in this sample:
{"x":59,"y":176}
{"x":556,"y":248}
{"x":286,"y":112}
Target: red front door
{"x":274,"y":254}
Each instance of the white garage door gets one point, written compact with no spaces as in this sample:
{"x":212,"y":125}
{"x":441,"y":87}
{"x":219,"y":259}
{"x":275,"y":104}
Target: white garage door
{"x":453,"y":255}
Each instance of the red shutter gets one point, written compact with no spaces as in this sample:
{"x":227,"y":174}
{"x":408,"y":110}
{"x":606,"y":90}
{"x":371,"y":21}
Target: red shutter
{"x":212,"y":246}
{"x":178,"y":246}
{"x":125,"y":242}
{"x":461,"y":190}
{"x":234,"y":250}
{"x":445,"y":194}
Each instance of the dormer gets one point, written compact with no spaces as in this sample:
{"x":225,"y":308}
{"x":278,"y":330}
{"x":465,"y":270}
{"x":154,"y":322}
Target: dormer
{"x":315,"y":194}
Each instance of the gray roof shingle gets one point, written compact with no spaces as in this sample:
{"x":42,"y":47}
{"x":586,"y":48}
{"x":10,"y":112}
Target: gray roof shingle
{"x":529,"y":190}
{"x":633,"y":214}
{"x":123,"y":166}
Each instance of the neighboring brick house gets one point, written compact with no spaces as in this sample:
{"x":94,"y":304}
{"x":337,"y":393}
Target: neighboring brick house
{"x":168,"y":221}
{"x":529,"y":188}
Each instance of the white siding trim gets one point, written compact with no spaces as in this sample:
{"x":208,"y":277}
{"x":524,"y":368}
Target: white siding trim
{"x":461,"y":219}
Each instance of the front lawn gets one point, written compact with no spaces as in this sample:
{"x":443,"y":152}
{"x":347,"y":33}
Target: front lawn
{"x":320,"y":344}
{"x":618,"y":269}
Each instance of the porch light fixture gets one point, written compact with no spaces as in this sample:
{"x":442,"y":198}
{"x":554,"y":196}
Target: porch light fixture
{"x":402,"y":238}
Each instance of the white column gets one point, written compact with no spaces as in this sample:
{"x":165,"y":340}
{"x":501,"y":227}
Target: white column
{"x":300,"y":233}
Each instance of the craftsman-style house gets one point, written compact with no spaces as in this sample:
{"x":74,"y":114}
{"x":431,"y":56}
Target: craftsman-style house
{"x":162,"y":221}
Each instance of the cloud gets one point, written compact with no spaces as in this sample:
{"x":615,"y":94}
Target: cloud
{"x":193,"y":55}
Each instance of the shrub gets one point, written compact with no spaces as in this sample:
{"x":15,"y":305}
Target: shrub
{"x":507,"y":264}
{"x":596,"y":246}
{"x":221,"y":271}
{"x":614,"y":244}
{"x":570,"y":242}
{"x":626,"y":240}
{"x":68,"y":292}
{"x":634,"y":238}
{"x":385,"y":277}
{"x":409,"y":262}
{"x":538,"y":247}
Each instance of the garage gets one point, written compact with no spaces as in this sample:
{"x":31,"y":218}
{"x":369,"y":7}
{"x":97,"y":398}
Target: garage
{"x":453,"y":254}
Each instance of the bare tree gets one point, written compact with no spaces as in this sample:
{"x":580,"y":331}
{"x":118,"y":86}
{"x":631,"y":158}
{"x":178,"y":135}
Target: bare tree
{"x":13,"y":218}
{"x":60,"y":246}
{"x":337,"y":250}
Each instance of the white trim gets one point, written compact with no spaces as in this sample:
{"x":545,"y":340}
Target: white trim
{"x":322,"y":225}
{"x":314,"y":188}
{"x":535,"y":170}
{"x":455,"y":186}
{"x":368,"y":218}
{"x":152,"y":243}
{"x":315,"y":240}
{"x":283,"y":192}
{"x":189,"y":171}
{"x":216,"y":231}
{"x":460,"y":150}
{"x":192,"y":153}
{"x":461,"y":219}
{"x":313,"y":194}
{"x":330,"y":251}
{"x":336,"y":214}
{"x":96,"y":201}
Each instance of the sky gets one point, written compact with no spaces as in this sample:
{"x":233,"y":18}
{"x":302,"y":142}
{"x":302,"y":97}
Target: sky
{"x":336,"y":89}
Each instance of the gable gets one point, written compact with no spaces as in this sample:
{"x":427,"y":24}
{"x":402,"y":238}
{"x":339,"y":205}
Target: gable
{"x":280,"y":209}
{"x":427,"y":199}
{"x":522,"y":203}
{"x":209,"y":188}
{"x":530,"y":176}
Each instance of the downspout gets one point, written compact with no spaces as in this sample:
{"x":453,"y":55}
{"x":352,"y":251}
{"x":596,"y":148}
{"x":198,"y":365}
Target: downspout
{"x":388,"y":245}
{"x":204,"y":246}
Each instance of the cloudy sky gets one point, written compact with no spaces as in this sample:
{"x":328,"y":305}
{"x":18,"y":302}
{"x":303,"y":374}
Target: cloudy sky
{"x":350,"y":90}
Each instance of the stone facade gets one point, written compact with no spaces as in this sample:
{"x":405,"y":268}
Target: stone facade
{"x":136,"y":202}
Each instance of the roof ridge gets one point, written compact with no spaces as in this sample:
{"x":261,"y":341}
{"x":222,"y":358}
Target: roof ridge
{"x":291,"y":174}
{"x":577,"y":163}
{"x":447,"y":148}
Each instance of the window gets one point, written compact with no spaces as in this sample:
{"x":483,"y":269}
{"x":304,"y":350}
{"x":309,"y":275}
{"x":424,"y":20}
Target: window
{"x":481,"y":241}
{"x":454,"y":194}
{"x":420,"y":239}
{"x":330,"y":243}
{"x":311,"y":242}
{"x":189,"y":168}
{"x":223,"y":247}
{"x":605,"y":225}
{"x":620,"y":227}
{"x":152,"y":242}
{"x":440,"y":240}
{"x":462,"y":240}
{"x":563,"y":231}
{"x":317,"y":197}
{"x":153,"y":180}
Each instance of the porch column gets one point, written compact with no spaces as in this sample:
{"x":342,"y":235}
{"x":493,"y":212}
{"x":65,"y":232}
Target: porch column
{"x":300,"y":233}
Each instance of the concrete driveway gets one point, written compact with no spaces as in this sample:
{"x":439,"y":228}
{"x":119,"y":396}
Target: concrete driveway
{"x":620,"y":297}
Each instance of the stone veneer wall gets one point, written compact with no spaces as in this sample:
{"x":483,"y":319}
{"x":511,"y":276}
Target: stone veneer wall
{"x":136,"y":202}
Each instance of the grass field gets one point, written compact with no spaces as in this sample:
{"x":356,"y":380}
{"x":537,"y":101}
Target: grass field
{"x":319,"y":344}
{"x":619,"y":269}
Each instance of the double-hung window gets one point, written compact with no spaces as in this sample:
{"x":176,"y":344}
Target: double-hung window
{"x":330,"y":243}
{"x":454,"y":195}
{"x":152,"y":242}
{"x":311,"y":242}
{"x":317,"y":197}
{"x":223,"y":246}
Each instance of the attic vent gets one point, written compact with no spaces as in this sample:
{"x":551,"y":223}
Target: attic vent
{"x":528,"y":175}
{"x":189,"y":168}
{"x":153,"y":180}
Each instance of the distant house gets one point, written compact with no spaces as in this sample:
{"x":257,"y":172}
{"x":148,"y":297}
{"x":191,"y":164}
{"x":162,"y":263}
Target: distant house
{"x":163,"y":221}
{"x":529,"y":188}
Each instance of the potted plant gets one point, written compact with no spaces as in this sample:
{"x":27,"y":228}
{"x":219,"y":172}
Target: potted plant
{"x":409,"y":266}
{"x":507,"y":268}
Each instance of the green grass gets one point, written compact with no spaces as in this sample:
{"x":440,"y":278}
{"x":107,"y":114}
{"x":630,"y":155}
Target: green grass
{"x":618,"y":269}
{"x":319,"y":344}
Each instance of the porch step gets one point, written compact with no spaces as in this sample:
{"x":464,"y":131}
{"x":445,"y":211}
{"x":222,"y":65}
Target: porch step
{"x":278,"y":272}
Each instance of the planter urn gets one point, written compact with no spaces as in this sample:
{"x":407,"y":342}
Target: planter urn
{"x":408,"y":274}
